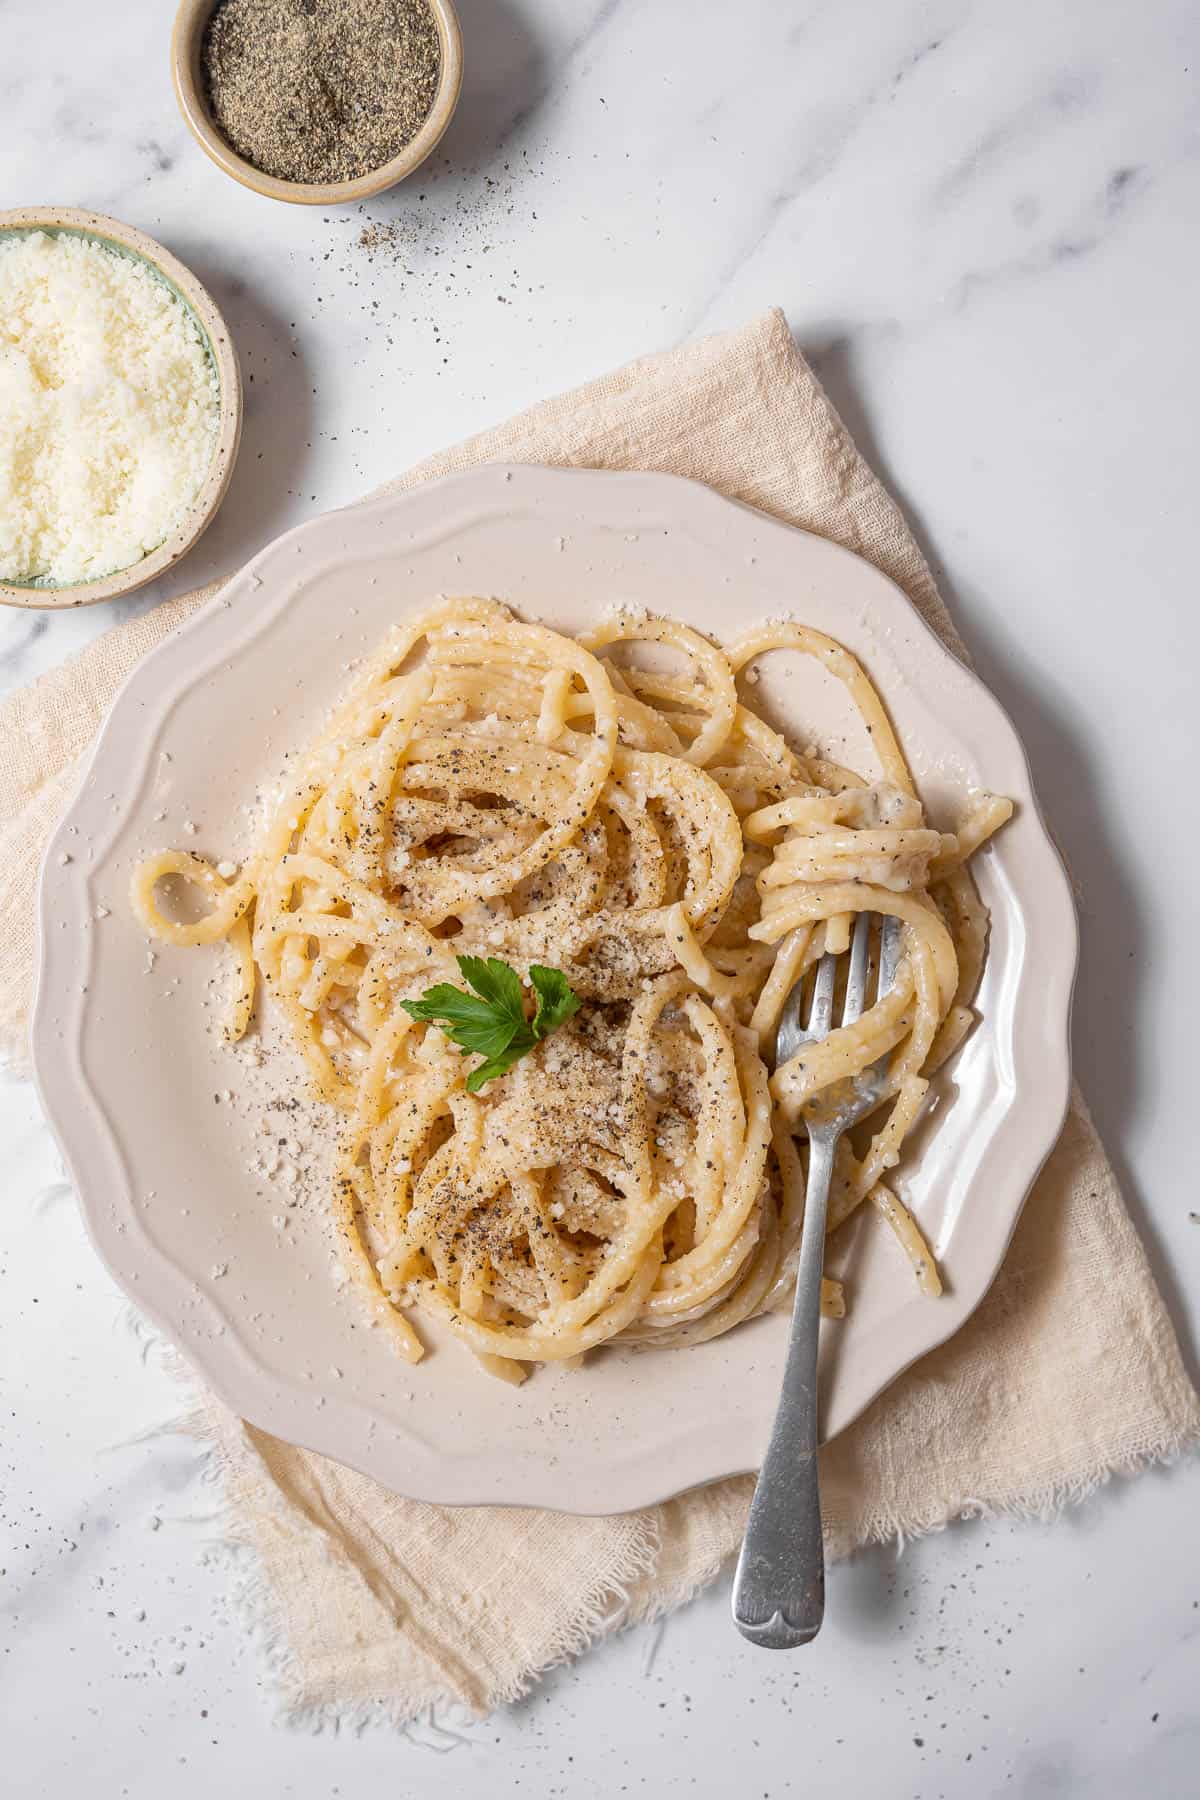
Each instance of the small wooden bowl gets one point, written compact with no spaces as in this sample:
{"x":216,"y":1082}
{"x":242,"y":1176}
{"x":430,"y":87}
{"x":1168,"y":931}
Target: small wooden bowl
{"x":200,"y":303}
{"x":186,"y":41}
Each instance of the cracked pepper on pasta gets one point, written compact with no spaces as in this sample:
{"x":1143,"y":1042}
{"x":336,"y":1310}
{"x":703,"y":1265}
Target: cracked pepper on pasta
{"x":611,"y":807}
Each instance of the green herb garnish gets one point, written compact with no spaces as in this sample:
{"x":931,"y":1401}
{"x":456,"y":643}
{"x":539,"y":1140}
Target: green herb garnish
{"x":491,"y":1022}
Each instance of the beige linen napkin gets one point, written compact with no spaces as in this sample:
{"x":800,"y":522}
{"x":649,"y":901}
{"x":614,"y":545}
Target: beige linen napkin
{"x":1068,"y":1372}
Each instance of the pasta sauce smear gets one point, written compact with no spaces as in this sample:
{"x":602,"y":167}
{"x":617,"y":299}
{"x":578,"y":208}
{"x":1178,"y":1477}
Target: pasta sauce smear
{"x":610,"y":806}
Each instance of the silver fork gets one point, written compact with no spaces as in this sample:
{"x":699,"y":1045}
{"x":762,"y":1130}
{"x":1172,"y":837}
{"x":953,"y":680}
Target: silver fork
{"x":779,"y":1587}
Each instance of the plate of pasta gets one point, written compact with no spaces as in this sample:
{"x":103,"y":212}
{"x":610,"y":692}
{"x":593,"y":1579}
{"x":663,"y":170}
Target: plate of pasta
{"x":412,"y":955}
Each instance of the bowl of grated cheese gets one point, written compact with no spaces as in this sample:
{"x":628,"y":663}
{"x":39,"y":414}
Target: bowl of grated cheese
{"x":120,"y":408}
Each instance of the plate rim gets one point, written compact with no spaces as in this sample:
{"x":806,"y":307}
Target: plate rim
{"x":79,"y":1122}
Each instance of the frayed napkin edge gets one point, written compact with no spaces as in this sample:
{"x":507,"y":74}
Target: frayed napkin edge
{"x":438,"y":1719}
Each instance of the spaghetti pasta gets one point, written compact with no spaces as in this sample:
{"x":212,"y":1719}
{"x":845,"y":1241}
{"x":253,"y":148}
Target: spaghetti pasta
{"x":614,"y":807}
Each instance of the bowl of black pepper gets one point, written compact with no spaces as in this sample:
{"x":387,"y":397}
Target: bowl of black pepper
{"x":317,"y":101}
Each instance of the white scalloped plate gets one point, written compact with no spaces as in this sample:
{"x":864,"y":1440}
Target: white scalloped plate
{"x":128,"y":1065}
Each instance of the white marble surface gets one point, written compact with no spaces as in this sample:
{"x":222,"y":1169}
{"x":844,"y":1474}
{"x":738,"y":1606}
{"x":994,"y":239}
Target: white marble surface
{"x":981,"y":220}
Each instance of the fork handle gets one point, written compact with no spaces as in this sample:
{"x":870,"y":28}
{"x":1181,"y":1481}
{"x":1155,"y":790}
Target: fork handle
{"x":779,"y":1587}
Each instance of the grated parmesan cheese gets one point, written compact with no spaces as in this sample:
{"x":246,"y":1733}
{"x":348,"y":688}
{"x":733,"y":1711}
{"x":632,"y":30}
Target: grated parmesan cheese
{"x":108,"y":409}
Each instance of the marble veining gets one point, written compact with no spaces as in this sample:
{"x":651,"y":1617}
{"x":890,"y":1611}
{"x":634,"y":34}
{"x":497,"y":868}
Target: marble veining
{"x":1029,"y":124}
{"x":981,"y":222}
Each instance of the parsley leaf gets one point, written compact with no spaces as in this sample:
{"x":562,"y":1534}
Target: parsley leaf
{"x":472,"y":1024}
{"x":497,"y":983}
{"x":556,"y":999}
{"x":491,"y":1022}
{"x":497,"y":1065}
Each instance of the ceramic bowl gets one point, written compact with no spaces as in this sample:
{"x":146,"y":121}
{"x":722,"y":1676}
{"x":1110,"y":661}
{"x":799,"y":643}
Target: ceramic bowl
{"x":186,"y":41}
{"x":213,"y":329}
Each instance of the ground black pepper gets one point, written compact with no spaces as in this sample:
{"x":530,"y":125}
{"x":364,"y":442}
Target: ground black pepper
{"x":320,"y":90}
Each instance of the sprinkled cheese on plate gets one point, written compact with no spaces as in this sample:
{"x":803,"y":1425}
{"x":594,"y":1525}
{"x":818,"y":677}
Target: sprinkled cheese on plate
{"x":108,"y":409}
